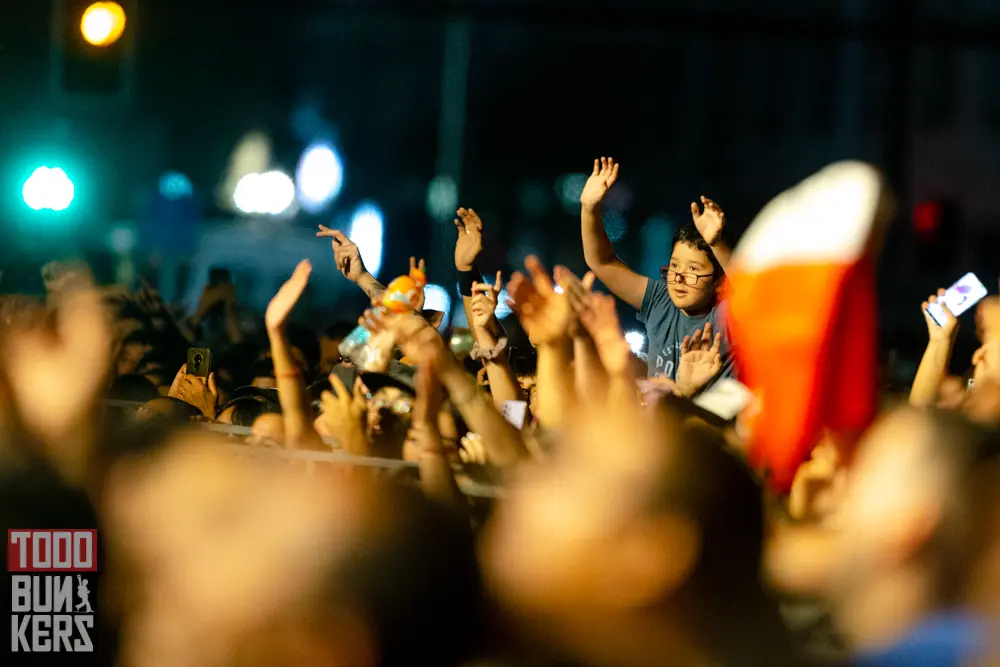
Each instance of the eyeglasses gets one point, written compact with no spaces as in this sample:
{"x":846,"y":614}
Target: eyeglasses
{"x":689,"y":279}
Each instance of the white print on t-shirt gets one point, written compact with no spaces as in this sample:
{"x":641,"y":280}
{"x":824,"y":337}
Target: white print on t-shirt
{"x":665,"y":365}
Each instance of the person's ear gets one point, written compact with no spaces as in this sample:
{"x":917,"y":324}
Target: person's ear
{"x":650,"y":559}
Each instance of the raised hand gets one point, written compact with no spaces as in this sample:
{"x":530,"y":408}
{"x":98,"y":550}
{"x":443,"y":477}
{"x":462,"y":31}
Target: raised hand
{"x":600,"y":318}
{"x":202,"y":394}
{"x":603,"y":177}
{"x":709,"y":221}
{"x":288,"y":295}
{"x":700,"y":360}
{"x":470,"y":239}
{"x":944,"y":333}
{"x":484,"y":302}
{"x":342,"y":412}
{"x":345,"y":254}
{"x":544,"y":313}
{"x":55,"y":375}
{"x":577,"y":291}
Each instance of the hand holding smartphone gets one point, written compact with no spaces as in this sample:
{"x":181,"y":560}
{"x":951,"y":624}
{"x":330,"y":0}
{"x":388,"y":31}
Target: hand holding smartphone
{"x":963,"y":295}
{"x":199,"y":361}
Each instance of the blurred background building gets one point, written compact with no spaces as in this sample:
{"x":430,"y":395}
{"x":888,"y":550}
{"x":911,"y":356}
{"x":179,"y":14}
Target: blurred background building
{"x":414,"y":107}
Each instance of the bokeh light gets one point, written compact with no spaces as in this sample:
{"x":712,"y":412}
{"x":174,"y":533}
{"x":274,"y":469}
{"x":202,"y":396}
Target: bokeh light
{"x":103,"y":23}
{"x":319,"y":177}
{"x":175,"y":186}
{"x":569,"y":188}
{"x":366,"y":232}
{"x":270,"y":193}
{"x":442,"y":198}
{"x":123,"y":239}
{"x":48,"y":189}
{"x":437,"y":298}
{"x":636,"y":341}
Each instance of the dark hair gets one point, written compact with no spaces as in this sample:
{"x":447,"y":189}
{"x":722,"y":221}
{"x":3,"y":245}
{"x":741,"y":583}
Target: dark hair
{"x":306,"y":340}
{"x":523,"y":360}
{"x":178,"y":411}
{"x":339,"y":330}
{"x":246,"y":409}
{"x":133,"y":387}
{"x":138,"y":337}
{"x":262,"y":369}
{"x":414,"y":573}
{"x":689,"y":235}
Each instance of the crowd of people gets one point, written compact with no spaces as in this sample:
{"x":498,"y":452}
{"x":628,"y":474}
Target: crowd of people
{"x":806,"y":521}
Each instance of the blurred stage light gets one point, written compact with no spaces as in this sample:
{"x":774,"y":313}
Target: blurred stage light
{"x":569,"y":188}
{"x":636,"y":340}
{"x":615,"y":225}
{"x":175,"y":185}
{"x":437,"y":298}
{"x":271,"y":193}
{"x":442,"y":198}
{"x":122,"y":239}
{"x":48,"y":189}
{"x":103,"y":23}
{"x":319,"y":177}
{"x":366,"y":232}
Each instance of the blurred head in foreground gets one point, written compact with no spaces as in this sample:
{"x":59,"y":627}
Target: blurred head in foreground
{"x":233,"y":561}
{"x":910,"y":524}
{"x":637,"y":541}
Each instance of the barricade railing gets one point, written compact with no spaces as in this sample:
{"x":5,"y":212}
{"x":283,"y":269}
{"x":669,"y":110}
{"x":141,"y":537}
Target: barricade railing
{"x":468,"y":486}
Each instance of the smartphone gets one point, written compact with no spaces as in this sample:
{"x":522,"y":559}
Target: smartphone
{"x":218,"y":276}
{"x":961,"y":296}
{"x":725,"y":399}
{"x":515,"y":413}
{"x":199,"y":361}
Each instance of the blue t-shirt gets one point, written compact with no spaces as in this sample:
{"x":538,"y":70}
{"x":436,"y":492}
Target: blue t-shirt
{"x":945,"y":640}
{"x":666,"y":327}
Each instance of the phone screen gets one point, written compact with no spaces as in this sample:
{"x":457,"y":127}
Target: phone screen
{"x":725,"y":399}
{"x":515,"y":413}
{"x":961,"y":296}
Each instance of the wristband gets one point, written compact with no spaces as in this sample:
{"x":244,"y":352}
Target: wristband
{"x":488,"y":354}
{"x":466,"y":279}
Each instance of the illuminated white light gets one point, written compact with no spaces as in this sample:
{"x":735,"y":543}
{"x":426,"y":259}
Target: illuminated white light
{"x":319,"y":177}
{"x":175,"y":185}
{"x":48,"y":189}
{"x":366,"y":232}
{"x":437,"y":298}
{"x":442,"y":198}
{"x":271,"y":193}
{"x":635,"y":340}
{"x":558,"y":289}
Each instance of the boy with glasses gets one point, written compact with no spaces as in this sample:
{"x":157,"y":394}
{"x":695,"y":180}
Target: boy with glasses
{"x":687,"y":299}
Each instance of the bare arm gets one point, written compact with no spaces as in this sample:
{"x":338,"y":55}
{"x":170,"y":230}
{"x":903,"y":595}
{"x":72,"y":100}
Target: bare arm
{"x":295,"y":411}
{"x":598,"y":251}
{"x":503,"y":383}
{"x":934,"y":364}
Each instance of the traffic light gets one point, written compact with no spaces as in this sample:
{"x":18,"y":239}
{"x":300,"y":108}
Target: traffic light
{"x":92,"y":49}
